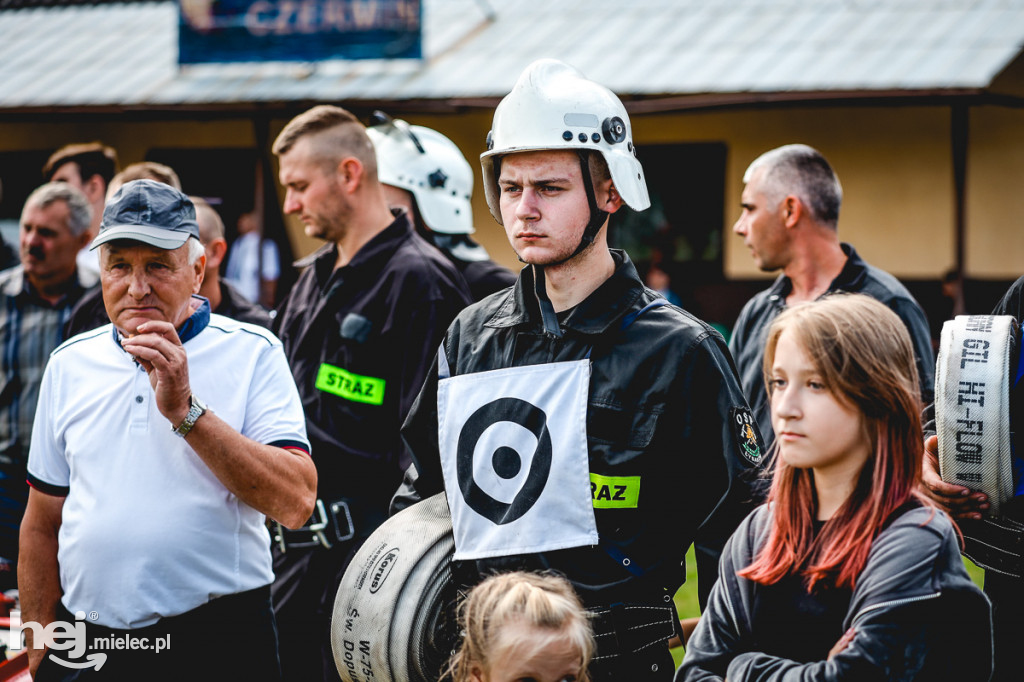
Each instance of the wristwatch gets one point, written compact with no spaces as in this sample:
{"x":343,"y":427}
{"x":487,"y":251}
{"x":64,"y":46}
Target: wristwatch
{"x":197,"y":410}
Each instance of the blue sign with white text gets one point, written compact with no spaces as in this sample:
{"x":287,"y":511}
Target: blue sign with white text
{"x":298,"y":30}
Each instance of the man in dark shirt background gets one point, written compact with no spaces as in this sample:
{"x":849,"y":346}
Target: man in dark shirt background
{"x":224,"y":299}
{"x":88,"y":167}
{"x":360,"y":328}
{"x":790,"y":222}
{"x":37,"y":296}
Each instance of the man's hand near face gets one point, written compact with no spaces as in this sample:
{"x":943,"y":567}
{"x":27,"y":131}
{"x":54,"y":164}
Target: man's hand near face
{"x":159,"y":351}
{"x":281,"y":483}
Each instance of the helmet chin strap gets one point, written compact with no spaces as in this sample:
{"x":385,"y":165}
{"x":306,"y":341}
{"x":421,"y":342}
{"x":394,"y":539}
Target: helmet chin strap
{"x":597,"y":215}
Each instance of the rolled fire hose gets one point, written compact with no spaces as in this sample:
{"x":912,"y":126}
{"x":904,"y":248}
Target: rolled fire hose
{"x":393,"y":618}
{"x":972,"y":404}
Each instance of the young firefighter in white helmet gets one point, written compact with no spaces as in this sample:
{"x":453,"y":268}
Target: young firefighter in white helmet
{"x":424,"y":173}
{"x":574,"y":417}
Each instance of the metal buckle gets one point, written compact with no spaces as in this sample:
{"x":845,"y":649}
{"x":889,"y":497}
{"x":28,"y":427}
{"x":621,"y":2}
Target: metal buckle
{"x":342,"y":506}
{"x":316,"y":527}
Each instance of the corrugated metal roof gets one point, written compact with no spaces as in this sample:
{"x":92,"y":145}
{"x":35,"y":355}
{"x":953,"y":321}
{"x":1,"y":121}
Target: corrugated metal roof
{"x":126,"y":53}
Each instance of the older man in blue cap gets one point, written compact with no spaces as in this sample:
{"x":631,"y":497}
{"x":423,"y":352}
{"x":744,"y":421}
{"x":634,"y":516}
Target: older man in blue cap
{"x":161,"y":443}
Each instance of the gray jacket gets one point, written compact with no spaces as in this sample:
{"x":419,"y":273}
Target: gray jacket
{"x":916,"y":613}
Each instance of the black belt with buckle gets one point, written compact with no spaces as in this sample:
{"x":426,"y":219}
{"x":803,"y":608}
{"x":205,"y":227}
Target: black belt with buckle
{"x":625,"y":629}
{"x":331,"y":522}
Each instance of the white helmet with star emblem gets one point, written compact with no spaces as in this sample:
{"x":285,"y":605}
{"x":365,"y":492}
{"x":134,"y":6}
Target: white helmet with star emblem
{"x":431,"y":167}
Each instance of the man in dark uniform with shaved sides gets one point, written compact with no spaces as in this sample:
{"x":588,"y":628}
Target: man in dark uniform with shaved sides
{"x":360,"y":328}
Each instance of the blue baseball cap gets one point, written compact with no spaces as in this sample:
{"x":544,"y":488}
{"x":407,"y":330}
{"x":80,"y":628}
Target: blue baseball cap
{"x":150,"y":212}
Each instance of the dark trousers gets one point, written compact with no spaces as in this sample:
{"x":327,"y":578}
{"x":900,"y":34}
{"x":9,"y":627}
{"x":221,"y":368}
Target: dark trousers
{"x":230,"y":638}
{"x":304,"y":588}
{"x":655,"y":665}
{"x":13,"y":499}
{"x":1007,"y":596}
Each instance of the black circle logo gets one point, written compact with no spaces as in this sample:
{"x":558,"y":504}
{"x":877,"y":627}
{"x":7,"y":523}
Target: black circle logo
{"x":505,"y":461}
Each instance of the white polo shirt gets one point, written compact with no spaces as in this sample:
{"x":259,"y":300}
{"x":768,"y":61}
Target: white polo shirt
{"x":147,"y":530}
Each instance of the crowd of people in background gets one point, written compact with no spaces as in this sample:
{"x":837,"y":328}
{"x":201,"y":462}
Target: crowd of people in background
{"x":156,"y":377}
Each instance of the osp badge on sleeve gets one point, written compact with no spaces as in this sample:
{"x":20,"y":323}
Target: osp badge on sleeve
{"x":744,"y":430}
{"x":514,"y":457}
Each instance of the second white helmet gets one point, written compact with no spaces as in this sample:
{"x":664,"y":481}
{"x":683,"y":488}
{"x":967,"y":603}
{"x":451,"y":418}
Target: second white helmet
{"x":431,"y":167}
{"x":554,"y":106}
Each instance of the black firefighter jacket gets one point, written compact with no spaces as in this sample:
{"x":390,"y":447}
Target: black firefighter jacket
{"x":664,"y":404}
{"x":358,"y":340}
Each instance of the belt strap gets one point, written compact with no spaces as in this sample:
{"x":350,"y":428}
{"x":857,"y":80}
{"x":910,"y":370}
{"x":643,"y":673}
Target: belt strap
{"x":444,"y":370}
{"x":628,"y":320}
{"x":622,"y":558}
{"x":624,"y":629}
{"x":331,"y":523}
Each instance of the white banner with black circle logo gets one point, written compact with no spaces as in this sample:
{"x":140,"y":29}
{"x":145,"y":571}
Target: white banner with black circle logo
{"x":514,"y":456}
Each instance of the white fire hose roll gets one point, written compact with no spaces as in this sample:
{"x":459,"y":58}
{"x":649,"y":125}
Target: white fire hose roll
{"x":391,"y":613}
{"x":972,"y":404}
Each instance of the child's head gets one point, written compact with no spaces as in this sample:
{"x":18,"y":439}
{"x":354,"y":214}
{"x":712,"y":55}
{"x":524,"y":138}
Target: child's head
{"x":522,"y":625}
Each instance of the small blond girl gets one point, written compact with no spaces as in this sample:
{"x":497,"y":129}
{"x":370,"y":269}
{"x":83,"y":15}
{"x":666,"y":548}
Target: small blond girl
{"x":522,"y":626}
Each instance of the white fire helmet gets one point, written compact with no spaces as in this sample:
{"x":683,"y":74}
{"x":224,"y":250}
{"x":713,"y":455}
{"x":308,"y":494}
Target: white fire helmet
{"x":554,"y":106}
{"x":431,"y":167}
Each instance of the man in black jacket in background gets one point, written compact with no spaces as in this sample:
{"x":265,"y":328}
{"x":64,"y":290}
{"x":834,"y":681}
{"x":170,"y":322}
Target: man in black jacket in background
{"x":359,"y":328}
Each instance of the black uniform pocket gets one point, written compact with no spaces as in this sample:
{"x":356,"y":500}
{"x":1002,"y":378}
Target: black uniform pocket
{"x":614,"y":425}
{"x":618,"y":435}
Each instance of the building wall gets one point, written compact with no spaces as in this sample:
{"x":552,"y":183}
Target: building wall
{"x":895,"y":165}
{"x":995,"y":180}
{"x":131,"y":138}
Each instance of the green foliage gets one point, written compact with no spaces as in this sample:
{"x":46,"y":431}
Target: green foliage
{"x":686,"y":597}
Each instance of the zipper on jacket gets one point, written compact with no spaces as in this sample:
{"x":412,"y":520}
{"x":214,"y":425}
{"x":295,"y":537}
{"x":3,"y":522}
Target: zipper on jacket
{"x":892,"y":602}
